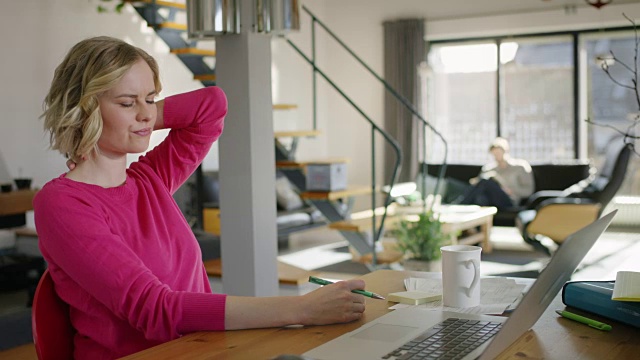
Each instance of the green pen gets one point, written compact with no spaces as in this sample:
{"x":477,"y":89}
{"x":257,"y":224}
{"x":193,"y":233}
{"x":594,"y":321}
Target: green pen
{"x":581,"y":319}
{"x":315,"y":280}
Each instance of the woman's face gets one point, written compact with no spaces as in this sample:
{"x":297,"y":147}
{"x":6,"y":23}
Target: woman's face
{"x":128,"y":113}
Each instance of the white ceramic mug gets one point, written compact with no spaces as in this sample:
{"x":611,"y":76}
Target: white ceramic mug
{"x":461,"y":275}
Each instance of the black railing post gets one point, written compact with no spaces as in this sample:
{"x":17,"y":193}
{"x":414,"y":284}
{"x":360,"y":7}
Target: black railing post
{"x":315,"y":75}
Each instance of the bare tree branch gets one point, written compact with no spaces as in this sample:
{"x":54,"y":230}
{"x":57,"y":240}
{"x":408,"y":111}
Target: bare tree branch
{"x":629,"y":132}
{"x":626,"y":134}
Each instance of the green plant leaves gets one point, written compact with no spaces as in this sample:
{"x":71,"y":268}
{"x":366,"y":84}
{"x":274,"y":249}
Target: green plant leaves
{"x":420,"y":239}
{"x":103,"y":9}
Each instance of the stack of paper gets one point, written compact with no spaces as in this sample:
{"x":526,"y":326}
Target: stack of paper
{"x":496,"y":295}
{"x":627,"y":286}
{"x":414,"y":297}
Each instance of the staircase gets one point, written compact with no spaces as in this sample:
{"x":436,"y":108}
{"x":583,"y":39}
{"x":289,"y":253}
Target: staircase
{"x":335,"y":206}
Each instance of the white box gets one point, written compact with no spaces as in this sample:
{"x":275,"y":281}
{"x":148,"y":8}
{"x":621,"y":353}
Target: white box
{"x":326,"y":177}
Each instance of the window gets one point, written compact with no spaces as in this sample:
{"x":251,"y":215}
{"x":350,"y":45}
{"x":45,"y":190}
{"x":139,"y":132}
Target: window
{"x":527,"y":96}
{"x":609,"y":103}
{"x":462,"y":81}
{"x":536,"y":97}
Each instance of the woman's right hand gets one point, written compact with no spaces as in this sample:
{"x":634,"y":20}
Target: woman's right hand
{"x":71,"y":164}
{"x":334,"y":303}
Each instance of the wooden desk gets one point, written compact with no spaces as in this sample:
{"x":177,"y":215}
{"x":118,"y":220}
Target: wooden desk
{"x":552,"y":337}
{"x":16,"y":202}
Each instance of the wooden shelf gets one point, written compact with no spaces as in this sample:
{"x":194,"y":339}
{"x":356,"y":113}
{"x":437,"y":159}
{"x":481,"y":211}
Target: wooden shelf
{"x":304,"y":163}
{"x":169,"y":4}
{"x":284,"y":106}
{"x":205,"y":77}
{"x":172,"y":26}
{"x":16,"y":202}
{"x":335,"y":195}
{"x":297,"y":133}
{"x":193,"y":51}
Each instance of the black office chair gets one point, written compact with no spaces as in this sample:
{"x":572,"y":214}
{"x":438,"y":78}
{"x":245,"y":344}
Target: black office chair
{"x":557,"y":214}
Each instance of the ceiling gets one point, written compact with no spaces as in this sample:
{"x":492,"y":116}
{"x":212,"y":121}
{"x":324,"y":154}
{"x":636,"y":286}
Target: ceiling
{"x":456,"y":9}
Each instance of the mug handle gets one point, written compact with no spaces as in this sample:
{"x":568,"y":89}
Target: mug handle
{"x":476,"y":274}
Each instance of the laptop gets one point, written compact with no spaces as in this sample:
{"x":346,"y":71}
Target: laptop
{"x":403,"y":332}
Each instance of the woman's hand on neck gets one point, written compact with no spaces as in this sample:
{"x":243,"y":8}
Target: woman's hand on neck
{"x":106,"y":172}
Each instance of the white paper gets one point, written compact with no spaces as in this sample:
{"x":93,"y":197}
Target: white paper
{"x":496,"y":295}
{"x":627,"y":286}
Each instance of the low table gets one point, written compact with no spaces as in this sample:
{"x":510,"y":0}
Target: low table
{"x":460,"y":222}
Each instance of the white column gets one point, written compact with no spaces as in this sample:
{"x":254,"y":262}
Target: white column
{"x":247,"y":162}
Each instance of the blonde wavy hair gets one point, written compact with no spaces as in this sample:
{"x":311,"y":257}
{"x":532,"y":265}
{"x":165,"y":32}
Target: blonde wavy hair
{"x":71,"y":109}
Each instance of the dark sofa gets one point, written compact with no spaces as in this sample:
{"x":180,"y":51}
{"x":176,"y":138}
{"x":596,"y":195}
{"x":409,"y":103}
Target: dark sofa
{"x":547,"y":176}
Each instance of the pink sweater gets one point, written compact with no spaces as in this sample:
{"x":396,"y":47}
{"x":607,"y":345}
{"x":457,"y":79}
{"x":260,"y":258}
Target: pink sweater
{"x":124,"y":258}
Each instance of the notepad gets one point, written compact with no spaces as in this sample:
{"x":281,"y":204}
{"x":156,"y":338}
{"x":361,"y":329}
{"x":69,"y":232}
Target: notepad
{"x":627,"y":286}
{"x":413,"y":297}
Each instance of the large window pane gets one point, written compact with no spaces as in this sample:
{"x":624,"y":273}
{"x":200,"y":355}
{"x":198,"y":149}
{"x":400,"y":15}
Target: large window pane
{"x":537,"y":99}
{"x":461,"y":101}
{"x":609,"y":103}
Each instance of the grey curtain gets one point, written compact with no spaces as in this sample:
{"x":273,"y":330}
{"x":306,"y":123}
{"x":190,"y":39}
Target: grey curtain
{"x":404,"y":50}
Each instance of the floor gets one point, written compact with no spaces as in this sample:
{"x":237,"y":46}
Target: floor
{"x":617,"y":250}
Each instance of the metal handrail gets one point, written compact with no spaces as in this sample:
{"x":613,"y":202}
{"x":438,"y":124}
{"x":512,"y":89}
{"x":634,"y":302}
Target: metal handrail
{"x":374,"y":128}
{"x":390,"y":89}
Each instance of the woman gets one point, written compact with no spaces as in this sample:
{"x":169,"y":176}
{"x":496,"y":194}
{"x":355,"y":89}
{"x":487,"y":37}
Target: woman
{"x":502,"y":183}
{"x":119,"y":250}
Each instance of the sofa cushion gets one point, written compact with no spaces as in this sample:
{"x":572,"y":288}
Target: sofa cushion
{"x":286,"y":197}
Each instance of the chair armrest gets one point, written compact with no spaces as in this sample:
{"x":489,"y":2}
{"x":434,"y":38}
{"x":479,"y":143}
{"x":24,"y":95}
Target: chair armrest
{"x":564,"y":200}
{"x":559,"y":220}
{"x":536,"y":198}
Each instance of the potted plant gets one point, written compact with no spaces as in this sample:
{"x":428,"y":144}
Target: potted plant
{"x":420,"y":241}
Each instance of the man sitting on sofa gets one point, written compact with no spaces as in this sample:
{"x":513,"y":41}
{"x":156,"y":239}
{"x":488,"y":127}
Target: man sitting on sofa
{"x":502,"y":183}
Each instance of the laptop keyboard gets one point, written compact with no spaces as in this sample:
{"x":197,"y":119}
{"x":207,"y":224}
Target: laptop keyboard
{"x":450,"y":339}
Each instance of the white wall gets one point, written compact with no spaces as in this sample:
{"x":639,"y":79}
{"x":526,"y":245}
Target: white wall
{"x":37,"y":34}
{"x":579,"y":18}
{"x":292,"y":84}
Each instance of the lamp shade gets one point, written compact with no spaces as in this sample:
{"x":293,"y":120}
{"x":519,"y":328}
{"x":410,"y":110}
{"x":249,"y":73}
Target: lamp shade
{"x":208,"y":18}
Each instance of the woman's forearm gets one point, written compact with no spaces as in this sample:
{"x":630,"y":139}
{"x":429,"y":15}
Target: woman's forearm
{"x":160,"y":116}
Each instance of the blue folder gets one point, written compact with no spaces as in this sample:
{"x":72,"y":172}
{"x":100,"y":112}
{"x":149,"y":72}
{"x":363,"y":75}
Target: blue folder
{"x":595,"y":297}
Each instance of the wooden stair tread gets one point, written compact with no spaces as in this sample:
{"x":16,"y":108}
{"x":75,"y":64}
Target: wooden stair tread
{"x":287,"y":274}
{"x":193,"y":51}
{"x":171,"y":4}
{"x":284,"y":106}
{"x":205,"y":77}
{"x":304,"y":163}
{"x":335,"y":195}
{"x":297,"y":133}
{"x":172,"y":26}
